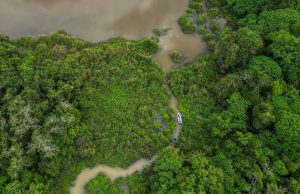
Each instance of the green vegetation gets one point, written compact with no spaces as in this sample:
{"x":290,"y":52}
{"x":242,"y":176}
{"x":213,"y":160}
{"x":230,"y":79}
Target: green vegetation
{"x":177,"y":56}
{"x":101,"y":184}
{"x":67,"y":104}
{"x":256,"y":6}
{"x":213,"y":13}
{"x":207,"y":22}
{"x":197,"y":6}
{"x":201,"y":19}
{"x":160,"y":32}
{"x":240,"y":102}
{"x":215,"y":27}
{"x":186,"y":24}
{"x":235,"y":49}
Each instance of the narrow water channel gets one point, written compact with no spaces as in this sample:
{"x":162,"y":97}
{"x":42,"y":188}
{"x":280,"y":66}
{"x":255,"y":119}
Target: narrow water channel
{"x":97,"y":20}
{"x":111,"y":172}
{"x":189,"y":45}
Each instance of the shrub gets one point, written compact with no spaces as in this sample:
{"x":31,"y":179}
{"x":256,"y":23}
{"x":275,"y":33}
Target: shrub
{"x":202,"y":19}
{"x":213,"y":13}
{"x":190,"y":11}
{"x":186,"y":24}
{"x":202,"y":31}
{"x":211,"y":45}
{"x":176,"y":56}
{"x":215,"y":26}
{"x":197,"y":6}
{"x":209,"y":36}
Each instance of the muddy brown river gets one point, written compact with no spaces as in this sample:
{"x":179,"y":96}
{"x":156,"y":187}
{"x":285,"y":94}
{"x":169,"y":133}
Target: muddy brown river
{"x":98,"y":20}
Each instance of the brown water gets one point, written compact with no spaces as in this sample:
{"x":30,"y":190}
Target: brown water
{"x":93,"y":20}
{"x":111,"y":172}
{"x":97,"y":20}
{"x":189,"y":45}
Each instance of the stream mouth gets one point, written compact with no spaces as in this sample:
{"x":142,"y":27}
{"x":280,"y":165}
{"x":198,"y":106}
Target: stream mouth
{"x":98,"y":20}
{"x":137,"y":24}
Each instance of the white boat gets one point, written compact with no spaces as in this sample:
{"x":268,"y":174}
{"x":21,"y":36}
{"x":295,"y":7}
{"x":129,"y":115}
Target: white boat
{"x":179,"y":118}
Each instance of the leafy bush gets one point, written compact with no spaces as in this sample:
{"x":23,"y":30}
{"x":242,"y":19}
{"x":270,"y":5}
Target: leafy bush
{"x":197,"y":6}
{"x":176,"y":56}
{"x":215,"y":26}
{"x":202,"y":31}
{"x":186,"y":24}
{"x":213,"y":13}
{"x":202,"y":19}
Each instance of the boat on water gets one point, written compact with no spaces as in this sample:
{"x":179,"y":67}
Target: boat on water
{"x":179,"y":118}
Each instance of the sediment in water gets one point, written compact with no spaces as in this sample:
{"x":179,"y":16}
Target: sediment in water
{"x":111,"y":172}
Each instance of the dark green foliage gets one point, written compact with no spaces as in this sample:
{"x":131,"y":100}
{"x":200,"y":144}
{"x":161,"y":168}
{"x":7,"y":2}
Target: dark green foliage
{"x":102,"y":184}
{"x":215,"y":26}
{"x":217,"y":2}
{"x":174,"y":174}
{"x":288,"y":135}
{"x":241,"y":109}
{"x":208,"y":36}
{"x":245,"y":120}
{"x":243,"y":7}
{"x":263,"y":116}
{"x":231,"y":128}
{"x":274,"y":20}
{"x":235,"y":49}
{"x":63,"y":101}
{"x":267,"y":66}
{"x":227,"y":85}
{"x":286,"y":49}
{"x":137,"y":183}
{"x":67,"y":104}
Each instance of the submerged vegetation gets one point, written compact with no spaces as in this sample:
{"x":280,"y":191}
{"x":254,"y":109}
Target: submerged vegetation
{"x":161,"y":32}
{"x":177,"y":56}
{"x":205,"y":20}
{"x":66,"y":104}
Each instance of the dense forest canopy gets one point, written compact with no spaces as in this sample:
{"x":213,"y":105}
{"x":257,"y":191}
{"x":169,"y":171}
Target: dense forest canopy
{"x":64,"y":101}
{"x":67,"y":104}
{"x":241,"y":106}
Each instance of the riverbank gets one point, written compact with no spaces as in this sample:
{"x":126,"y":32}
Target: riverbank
{"x":113,"y":173}
{"x":190,"y":45}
